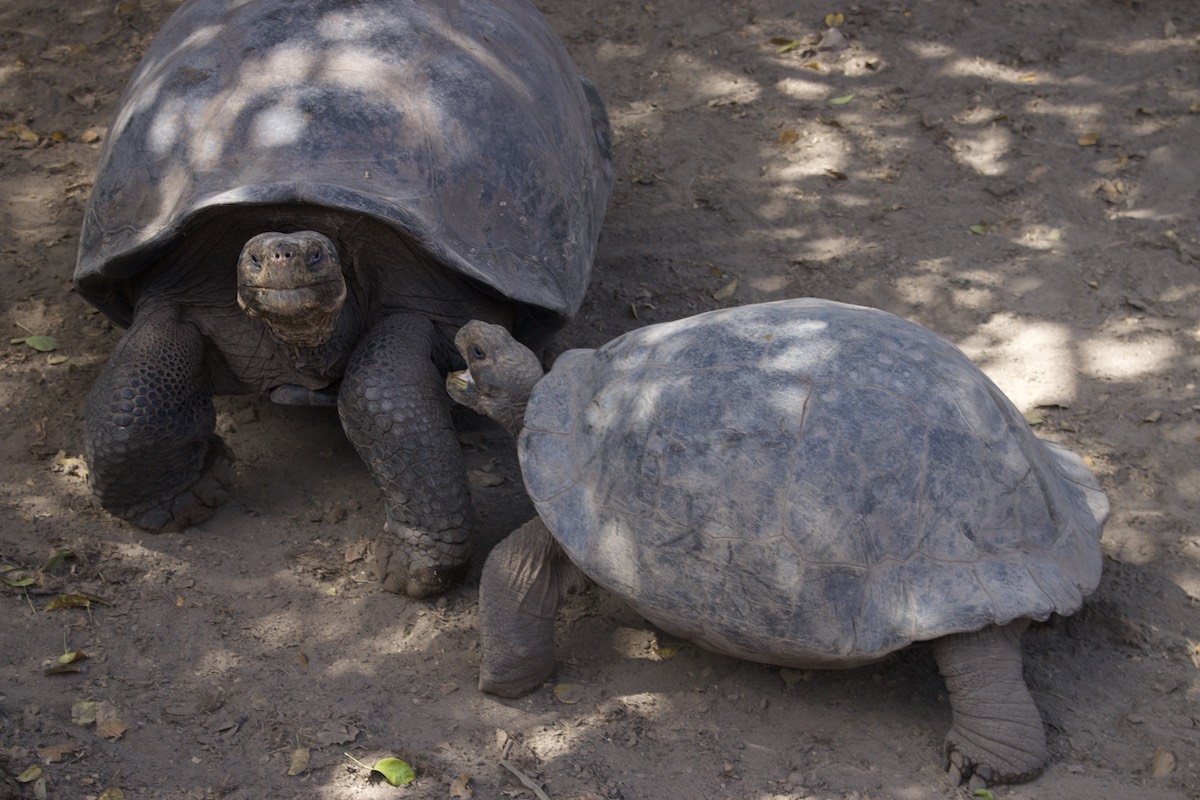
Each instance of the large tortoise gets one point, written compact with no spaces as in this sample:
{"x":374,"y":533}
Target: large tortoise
{"x":802,"y":483}
{"x":361,"y":177}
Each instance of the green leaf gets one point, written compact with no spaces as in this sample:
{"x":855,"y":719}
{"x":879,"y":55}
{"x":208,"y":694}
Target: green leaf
{"x":841,"y":101}
{"x":978,"y":230}
{"x":72,"y":656}
{"x":395,"y":770}
{"x":55,"y":561}
{"x":984,"y":793}
{"x":39,"y":342}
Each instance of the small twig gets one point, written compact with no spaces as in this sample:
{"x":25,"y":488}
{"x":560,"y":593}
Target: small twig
{"x":528,"y":782}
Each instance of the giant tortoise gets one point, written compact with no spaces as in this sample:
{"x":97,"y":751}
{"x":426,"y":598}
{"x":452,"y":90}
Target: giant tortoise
{"x":802,"y":483}
{"x":309,"y":199}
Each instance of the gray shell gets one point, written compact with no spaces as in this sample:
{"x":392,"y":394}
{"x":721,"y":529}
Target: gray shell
{"x":462,"y":123}
{"x":807,"y":483}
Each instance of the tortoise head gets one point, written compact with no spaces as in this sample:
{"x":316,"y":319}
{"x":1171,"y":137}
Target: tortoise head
{"x":292,"y":282}
{"x":500,"y":375}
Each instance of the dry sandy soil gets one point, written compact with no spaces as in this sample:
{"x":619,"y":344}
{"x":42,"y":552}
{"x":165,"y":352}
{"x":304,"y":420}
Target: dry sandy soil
{"x":1022,"y":177}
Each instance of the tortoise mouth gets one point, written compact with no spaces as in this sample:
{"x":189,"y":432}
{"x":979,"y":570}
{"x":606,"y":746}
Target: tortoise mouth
{"x":461,"y":387}
{"x":303,"y":316}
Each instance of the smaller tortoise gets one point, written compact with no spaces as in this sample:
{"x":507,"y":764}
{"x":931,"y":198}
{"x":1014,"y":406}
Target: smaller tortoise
{"x":801,"y":483}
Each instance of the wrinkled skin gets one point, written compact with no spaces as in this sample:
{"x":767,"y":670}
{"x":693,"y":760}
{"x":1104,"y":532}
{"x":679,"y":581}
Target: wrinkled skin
{"x":308,"y":200}
{"x":156,"y":460}
{"x":996,"y":735}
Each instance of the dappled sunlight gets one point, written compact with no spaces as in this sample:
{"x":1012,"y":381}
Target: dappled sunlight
{"x":1123,"y":359}
{"x":222,"y":662}
{"x":1038,"y":236}
{"x":1032,"y":361}
{"x":964,"y":67}
{"x":984,"y":150}
{"x":803,"y":88}
{"x":718,"y":85}
{"x":1021,"y":182}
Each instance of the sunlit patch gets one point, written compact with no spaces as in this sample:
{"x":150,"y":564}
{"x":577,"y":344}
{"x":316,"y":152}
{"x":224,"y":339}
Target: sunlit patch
{"x":1041,"y":237}
{"x":984,"y":150}
{"x":277,"y":126}
{"x":1032,"y":361}
{"x":1125,"y":360}
{"x":982,"y":68}
{"x":608,"y":51}
{"x":803,"y":90}
{"x":718,"y":86}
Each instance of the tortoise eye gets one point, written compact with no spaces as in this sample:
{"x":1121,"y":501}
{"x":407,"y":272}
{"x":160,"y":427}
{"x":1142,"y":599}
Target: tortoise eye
{"x":315,"y":257}
{"x":477,"y":353}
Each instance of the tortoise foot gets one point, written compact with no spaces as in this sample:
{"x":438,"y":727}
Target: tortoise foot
{"x":402,"y":569}
{"x":195,"y":503}
{"x":967,"y":765}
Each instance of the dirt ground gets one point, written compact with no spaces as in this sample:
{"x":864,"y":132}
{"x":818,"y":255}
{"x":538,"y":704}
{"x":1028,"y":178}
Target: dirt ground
{"x":1022,"y":177}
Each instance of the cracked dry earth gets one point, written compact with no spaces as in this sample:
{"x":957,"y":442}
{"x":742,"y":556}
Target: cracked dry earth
{"x":1019,"y":176}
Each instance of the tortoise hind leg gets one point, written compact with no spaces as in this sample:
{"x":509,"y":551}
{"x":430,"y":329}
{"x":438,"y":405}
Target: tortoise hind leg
{"x":153,"y":457}
{"x":997,"y":731}
{"x":525,"y":580}
{"x":396,"y":413}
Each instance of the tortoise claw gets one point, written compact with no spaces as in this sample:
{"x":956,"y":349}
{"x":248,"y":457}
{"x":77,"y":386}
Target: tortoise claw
{"x":195,"y":503}
{"x":396,"y":572}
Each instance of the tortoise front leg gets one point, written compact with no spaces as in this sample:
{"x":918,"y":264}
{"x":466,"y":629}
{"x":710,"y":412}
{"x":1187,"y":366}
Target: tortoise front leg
{"x":153,"y":457}
{"x":397,"y":415}
{"x":997,"y":731}
{"x":525,"y":581}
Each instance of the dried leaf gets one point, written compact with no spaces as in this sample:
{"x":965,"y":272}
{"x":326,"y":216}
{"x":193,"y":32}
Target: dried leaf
{"x":93,"y":135}
{"x":526,"y":781}
{"x":108,"y":723}
{"x":299,"y":763}
{"x":72,"y":656}
{"x":1163,"y":763}
{"x":1088,"y":139}
{"x":484,"y":478}
{"x":75,"y":600}
{"x":834,"y":19}
{"x":833,"y":123}
{"x":9,"y":577}
{"x":726,"y":291}
{"x":52,"y":753}
{"x":18,"y":130}
{"x":567,"y":693}
{"x":30,"y":775}
{"x":789,"y":136}
{"x":83,"y":712}
{"x":460,"y":787}
{"x":837,"y":175}
{"x":336,"y":733}
{"x":666,"y":651}
{"x":112,"y":793}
